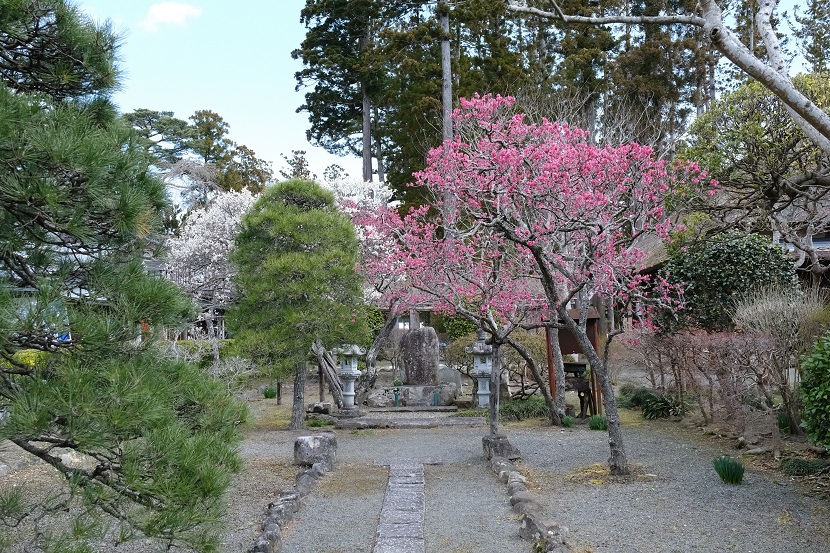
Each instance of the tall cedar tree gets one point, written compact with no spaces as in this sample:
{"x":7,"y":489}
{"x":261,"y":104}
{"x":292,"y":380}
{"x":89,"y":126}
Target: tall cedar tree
{"x":295,"y":257}
{"x":79,"y":367}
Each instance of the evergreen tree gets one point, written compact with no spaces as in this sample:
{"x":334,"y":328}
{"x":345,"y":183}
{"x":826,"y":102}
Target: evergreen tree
{"x":80,"y":316}
{"x":295,"y":258}
{"x":814,"y":35}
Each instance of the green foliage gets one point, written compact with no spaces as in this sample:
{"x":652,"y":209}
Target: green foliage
{"x":597,"y":422}
{"x":269,"y":392}
{"x":458,"y":327}
{"x":631,"y":396}
{"x":661,"y":406}
{"x":296,"y":257}
{"x":533,"y":407}
{"x":568,"y":421}
{"x":319,"y":423}
{"x":715,"y":272}
{"x":78,"y":208}
{"x":794,"y":466}
{"x":73,"y":58}
{"x":730,"y":470}
{"x":815,"y":392}
{"x":785,"y":422}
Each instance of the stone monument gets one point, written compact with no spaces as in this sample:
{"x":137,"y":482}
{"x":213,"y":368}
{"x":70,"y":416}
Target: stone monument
{"x":420,"y":356}
{"x":482,"y":354}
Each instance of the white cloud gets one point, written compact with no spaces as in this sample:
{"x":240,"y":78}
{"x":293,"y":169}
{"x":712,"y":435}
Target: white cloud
{"x":168,"y":13}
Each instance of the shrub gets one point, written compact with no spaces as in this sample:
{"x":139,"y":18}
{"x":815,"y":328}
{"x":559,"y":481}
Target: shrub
{"x":730,"y":470}
{"x":269,"y":392}
{"x":661,"y":406}
{"x":803,"y":467}
{"x":568,"y":421}
{"x":815,"y":392}
{"x":597,"y":422}
{"x":520,"y":409}
{"x":632,"y":396}
{"x":317,"y":423}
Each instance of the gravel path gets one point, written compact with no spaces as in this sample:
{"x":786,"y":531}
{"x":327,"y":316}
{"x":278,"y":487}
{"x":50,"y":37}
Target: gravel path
{"x":674,"y":503}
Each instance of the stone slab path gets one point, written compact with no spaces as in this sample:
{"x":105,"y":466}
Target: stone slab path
{"x":401,"y":527}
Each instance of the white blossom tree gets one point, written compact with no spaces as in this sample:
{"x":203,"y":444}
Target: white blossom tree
{"x":198,"y":258}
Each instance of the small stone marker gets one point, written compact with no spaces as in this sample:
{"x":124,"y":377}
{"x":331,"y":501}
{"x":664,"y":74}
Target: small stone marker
{"x":321,"y":448}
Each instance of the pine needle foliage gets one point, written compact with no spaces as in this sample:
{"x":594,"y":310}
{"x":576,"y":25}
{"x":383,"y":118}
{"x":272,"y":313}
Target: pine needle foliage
{"x":81,"y":373}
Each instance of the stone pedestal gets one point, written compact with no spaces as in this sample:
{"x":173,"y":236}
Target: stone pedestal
{"x":347,"y":379}
{"x":420,"y":356}
{"x":483,"y":395}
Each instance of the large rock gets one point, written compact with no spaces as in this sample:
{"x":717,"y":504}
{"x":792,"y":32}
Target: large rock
{"x":381,"y":397}
{"x":419,"y":351}
{"x":322,"y":449}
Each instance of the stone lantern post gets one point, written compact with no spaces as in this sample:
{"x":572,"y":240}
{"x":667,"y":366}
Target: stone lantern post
{"x":348,"y":373}
{"x":482,"y":367}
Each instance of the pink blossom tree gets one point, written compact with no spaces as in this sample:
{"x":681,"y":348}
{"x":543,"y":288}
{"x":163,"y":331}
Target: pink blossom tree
{"x":476,"y":275}
{"x":542,"y":205}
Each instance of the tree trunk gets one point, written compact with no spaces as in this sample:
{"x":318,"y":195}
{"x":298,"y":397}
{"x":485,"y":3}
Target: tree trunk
{"x":558,"y":375}
{"x":298,"y":407}
{"x":388,"y":327}
{"x":617,"y":462}
{"x":367,"y":117}
{"x":449,"y":207}
{"x":378,"y":145}
{"x":329,"y":367}
{"x":495,"y":390}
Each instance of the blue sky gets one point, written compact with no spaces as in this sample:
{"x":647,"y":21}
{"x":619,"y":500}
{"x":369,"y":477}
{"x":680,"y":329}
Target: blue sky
{"x":233,"y":58}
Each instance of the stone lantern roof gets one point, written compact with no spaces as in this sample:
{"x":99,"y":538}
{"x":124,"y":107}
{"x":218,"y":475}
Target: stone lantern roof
{"x":348,"y":350}
{"x":480,"y":347}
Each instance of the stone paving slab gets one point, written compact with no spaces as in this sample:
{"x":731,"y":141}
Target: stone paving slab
{"x":401,"y":527}
{"x":433,"y":422}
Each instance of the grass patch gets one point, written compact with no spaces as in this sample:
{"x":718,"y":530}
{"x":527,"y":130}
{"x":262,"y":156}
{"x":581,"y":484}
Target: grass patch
{"x":730,"y":470}
{"x":597,"y":422}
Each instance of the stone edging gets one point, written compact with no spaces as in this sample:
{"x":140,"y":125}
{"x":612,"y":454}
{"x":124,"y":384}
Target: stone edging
{"x":546,"y":535}
{"x":318,"y":451}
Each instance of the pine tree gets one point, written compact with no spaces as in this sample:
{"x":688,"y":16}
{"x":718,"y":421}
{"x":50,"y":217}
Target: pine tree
{"x":295,"y":258}
{"x":80,"y":370}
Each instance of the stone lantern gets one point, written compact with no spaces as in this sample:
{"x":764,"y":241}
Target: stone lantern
{"x":348,"y":373}
{"x":482,"y":366}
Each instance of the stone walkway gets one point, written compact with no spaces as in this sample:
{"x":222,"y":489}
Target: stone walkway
{"x":401,"y":527}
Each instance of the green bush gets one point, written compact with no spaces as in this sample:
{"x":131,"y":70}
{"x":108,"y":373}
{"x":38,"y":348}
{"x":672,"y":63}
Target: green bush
{"x":318,"y":423}
{"x":597,"y":422}
{"x":815,"y":392}
{"x":269,"y":392}
{"x":730,"y":470}
{"x":803,"y":467}
{"x":632,"y":396}
{"x":568,"y":421}
{"x":661,"y":406}
{"x":520,"y":409}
